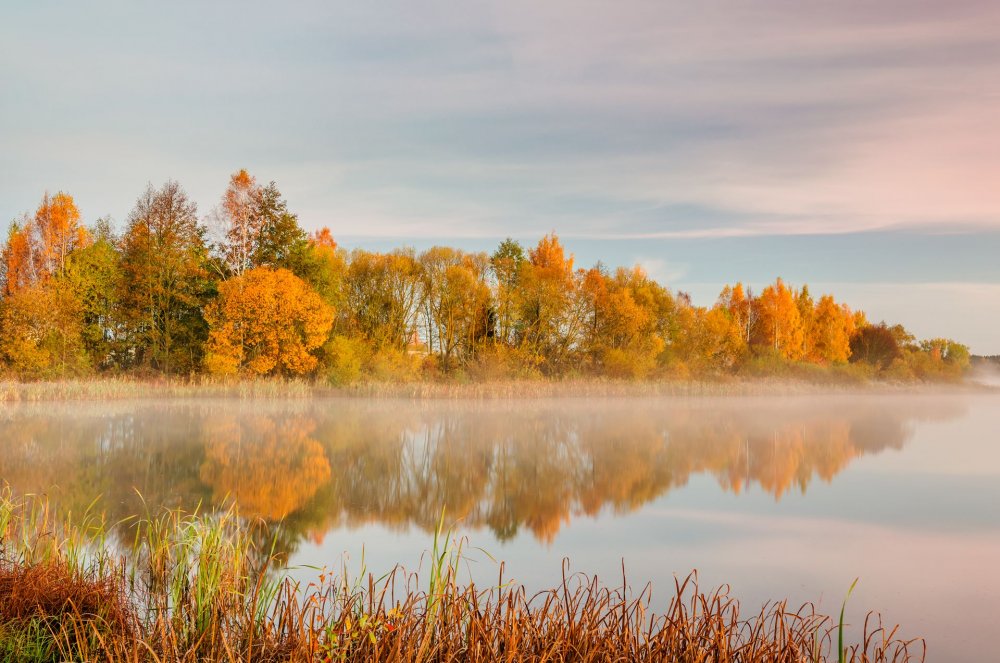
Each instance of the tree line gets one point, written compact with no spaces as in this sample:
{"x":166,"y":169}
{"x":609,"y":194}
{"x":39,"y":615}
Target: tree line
{"x":246,"y":291}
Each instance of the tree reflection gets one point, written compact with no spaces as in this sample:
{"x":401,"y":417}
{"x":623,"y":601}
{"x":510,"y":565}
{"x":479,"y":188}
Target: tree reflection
{"x":307,"y":468}
{"x":269,"y":466}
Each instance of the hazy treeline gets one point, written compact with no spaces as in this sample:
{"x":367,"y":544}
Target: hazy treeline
{"x":245,"y":290}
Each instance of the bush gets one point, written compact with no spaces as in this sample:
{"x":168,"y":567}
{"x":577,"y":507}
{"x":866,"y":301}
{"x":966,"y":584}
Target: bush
{"x":392,"y":365}
{"x":500,"y":362}
{"x":343,"y":359}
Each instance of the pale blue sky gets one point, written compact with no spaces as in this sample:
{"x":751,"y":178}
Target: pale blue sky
{"x":852,"y":145}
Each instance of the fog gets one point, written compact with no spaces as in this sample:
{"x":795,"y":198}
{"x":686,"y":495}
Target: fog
{"x":987,"y":374}
{"x":777,"y":496}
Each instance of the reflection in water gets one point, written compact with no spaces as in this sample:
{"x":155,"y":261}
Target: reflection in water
{"x":270,"y":467}
{"x":319,"y":465}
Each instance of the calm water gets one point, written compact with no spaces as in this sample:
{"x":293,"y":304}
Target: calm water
{"x":791,"y":497}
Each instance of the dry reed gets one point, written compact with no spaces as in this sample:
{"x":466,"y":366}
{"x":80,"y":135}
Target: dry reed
{"x":114,"y":388}
{"x":201,"y":587}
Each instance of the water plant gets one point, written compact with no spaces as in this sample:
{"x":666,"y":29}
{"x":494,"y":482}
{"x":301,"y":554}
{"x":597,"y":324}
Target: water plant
{"x":176,"y":586}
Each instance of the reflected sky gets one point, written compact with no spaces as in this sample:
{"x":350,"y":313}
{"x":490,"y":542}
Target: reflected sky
{"x":790,"y":497}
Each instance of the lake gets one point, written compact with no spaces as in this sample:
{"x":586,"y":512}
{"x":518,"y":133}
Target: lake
{"x":780,"y":497}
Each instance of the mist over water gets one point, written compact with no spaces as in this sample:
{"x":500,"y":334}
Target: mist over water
{"x":778,"y":497}
{"x":986,"y":374}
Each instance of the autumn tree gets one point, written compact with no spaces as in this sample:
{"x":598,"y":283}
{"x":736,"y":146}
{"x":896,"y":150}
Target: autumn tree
{"x":739,"y":304}
{"x":830,"y":332}
{"x":41,"y":331}
{"x":546,"y":301}
{"x":323,"y":264}
{"x":20,"y":264}
{"x":39,"y":246}
{"x":875,"y":345}
{"x":718,"y":343}
{"x":383,"y":293}
{"x":779,"y":324}
{"x":620,"y":331}
{"x":164,"y":280}
{"x":266,"y":322}
{"x":456,"y":301}
{"x":59,"y":232}
{"x":258,"y":228}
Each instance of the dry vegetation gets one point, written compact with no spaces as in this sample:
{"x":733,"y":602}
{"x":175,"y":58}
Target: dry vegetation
{"x":190,"y":587}
{"x":124,"y":388}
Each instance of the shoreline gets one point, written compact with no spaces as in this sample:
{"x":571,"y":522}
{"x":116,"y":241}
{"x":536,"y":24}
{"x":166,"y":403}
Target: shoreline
{"x":122,"y":389}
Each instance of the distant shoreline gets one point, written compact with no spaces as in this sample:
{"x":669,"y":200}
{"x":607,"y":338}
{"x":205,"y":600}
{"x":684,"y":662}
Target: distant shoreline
{"x":104,"y":389}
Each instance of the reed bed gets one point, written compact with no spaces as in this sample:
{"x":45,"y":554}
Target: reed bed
{"x":125,"y":388}
{"x":119,"y":388}
{"x":179,"y":587}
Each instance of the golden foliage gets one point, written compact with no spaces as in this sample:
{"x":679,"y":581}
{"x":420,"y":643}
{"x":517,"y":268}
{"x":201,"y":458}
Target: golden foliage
{"x":37,"y":247}
{"x":779,"y":323}
{"x":41,"y":331}
{"x":266,"y":322}
{"x":830,"y":333}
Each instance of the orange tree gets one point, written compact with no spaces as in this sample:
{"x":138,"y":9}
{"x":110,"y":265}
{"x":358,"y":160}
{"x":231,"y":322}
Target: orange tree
{"x":266,"y":322}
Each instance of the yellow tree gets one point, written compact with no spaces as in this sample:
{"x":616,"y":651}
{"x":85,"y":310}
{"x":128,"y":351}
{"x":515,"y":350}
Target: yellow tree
{"x":383,"y":292}
{"x":547,"y":293}
{"x":323,"y":265}
{"x":455,"y":301}
{"x":266,"y":322}
{"x":830,"y":333}
{"x":620,"y":330}
{"x":779,"y":325}
{"x":739,"y":304}
{"x":807,"y":319}
{"x":719,"y":337}
{"x":41,"y":331}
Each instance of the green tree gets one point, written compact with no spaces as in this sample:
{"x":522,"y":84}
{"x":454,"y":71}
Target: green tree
{"x":506,"y":264}
{"x":164,"y":281}
{"x":94,"y":274}
{"x":281,"y":243}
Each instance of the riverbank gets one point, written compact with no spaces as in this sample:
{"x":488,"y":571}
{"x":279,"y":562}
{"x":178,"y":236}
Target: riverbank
{"x":181,"y":587}
{"x":114,"y":388}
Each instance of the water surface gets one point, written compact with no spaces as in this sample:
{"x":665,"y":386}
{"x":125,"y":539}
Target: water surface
{"x":778,"y":497}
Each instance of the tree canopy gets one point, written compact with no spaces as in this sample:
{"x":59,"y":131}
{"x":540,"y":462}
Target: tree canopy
{"x":248,"y":292}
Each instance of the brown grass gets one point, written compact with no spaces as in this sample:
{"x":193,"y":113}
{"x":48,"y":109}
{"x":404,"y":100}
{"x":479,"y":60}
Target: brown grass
{"x":113,"y":388}
{"x":197,"y":588}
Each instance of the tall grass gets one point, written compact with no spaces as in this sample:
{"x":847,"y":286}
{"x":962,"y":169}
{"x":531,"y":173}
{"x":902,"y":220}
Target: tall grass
{"x":202,"y":587}
{"x":114,"y":388}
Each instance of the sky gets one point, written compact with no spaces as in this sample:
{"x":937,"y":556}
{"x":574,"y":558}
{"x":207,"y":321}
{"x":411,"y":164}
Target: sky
{"x":851,"y":145}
